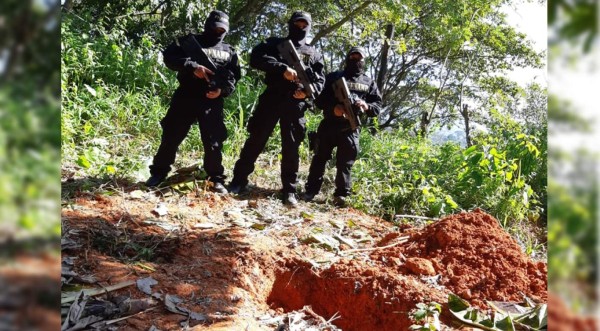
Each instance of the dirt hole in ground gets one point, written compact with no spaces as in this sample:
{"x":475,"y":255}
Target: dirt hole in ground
{"x":468,"y":254}
{"x":363,"y":298}
{"x":240,"y":276}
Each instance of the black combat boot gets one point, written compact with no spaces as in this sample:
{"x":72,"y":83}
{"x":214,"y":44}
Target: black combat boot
{"x":236,"y":188}
{"x":155,"y":180}
{"x":339,"y":201}
{"x":290,"y":199}
{"x":219,"y":188}
{"x":308,"y":196}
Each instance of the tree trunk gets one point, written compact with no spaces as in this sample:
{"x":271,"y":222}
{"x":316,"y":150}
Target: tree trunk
{"x":389,"y":34}
{"x":465,"y":114}
{"x":249,"y":10}
{"x":21,"y":29}
{"x":425,"y":120}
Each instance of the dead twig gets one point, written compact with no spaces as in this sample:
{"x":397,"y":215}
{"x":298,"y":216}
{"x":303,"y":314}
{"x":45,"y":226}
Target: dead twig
{"x":417,"y":217}
{"x":292,"y":276}
{"x":308,"y":309}
{"x":401,"y":241}
{"x":126,"y":317}
{"x":334,"y":317}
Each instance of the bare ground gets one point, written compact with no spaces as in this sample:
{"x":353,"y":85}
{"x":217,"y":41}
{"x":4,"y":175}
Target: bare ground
{"x":250,"y":263}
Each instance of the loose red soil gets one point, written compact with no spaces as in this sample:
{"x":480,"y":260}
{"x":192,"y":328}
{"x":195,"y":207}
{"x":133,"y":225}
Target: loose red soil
{"x":477,"y":259}
{"x":560,"y":318}
{"x":30,"y":285}
{"x":238,"y":275}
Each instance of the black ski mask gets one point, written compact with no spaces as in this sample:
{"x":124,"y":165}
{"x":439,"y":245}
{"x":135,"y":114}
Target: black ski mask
{"x":216,"y":19}
{"x":296,"y":34}
{"x":355,"y":67}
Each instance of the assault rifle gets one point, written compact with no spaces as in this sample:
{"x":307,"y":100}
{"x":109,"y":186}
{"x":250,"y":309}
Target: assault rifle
{"x":347,"y":99}
{"x":193,"y":49}
{"x":305,"y":75}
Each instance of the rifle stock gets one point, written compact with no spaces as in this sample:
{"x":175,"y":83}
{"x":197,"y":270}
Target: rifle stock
{"x":343,"y":96}
{"x":289,"y":54}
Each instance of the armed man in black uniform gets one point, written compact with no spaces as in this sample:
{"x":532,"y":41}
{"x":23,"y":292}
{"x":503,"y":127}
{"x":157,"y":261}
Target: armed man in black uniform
{"x":335,"y":129}
{"x":284,"y":100}
{"x":199,"y":97}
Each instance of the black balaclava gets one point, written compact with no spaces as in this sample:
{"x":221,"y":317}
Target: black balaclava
{"x":216,"y":19}
{"x":353,"y":67}
{"x":298,"y":36}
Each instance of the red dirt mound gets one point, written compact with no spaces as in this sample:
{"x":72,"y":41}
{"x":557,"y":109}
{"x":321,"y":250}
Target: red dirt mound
{"x":477,"y":259}
{"x":362,"y":297}
{"x":560,"y":318}
{"x":242,"y":277}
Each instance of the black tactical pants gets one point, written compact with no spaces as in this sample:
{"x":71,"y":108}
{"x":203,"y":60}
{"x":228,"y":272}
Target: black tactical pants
{"x":347,"y":145}
{"x":185,"y":110}
{"x":270,"y":110}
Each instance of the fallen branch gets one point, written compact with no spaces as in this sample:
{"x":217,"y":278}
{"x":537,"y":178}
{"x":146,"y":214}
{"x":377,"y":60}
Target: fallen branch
{"x":401,"y":241}
{"x":98,"y":291}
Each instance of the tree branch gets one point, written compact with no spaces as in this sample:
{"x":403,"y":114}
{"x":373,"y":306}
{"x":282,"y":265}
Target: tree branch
{"x":152,"y":12}
{"x":322,"y":33}
{"x":248,"y":10}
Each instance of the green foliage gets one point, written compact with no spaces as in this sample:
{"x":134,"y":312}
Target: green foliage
{"x":564,"y":117}
{"x":29,"y":164}
{"x":29,"y":126}
{"x":428,"y":315}
{"x":508,"y":168}
{"x":574,"y":21}
{"x":455,"y":42}
{"x":409,"y":178}
{"x":116,"y":90}
{"x":500,"y":173}
{"x":573,"y":227}
{"x":93,"y":56}
{"x":530,"y":316}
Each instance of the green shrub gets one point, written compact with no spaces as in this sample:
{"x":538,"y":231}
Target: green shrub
{"x":116,"y":91}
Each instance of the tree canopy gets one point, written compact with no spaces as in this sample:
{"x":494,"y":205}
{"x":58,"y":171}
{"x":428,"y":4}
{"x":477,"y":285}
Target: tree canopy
{"x":432,"y":58}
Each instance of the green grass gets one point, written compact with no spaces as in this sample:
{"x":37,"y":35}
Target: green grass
{"x":110,"y":128}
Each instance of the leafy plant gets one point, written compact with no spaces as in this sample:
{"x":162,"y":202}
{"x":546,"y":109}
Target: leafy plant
{"x":427,"y":315}
{"x":531,"y":316}
{"x":116,"y":89}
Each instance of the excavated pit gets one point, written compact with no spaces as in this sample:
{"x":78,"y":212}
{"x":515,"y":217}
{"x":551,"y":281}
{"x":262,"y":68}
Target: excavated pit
{"x":363,"y":298}
{"x":236,"y":276}
{"x":470,"y":254}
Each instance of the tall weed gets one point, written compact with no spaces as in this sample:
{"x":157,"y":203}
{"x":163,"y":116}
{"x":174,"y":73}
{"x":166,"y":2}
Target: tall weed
{"x":116,"y":91}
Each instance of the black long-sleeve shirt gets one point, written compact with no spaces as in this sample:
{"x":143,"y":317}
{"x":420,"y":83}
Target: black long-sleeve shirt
{"x":222,"y":54}
{"x":265,"y":57}
{"x":361,"y":85}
